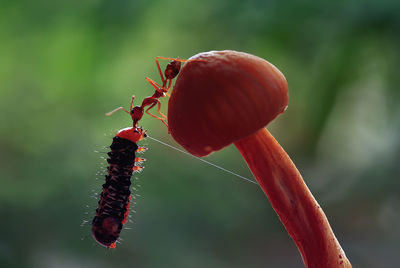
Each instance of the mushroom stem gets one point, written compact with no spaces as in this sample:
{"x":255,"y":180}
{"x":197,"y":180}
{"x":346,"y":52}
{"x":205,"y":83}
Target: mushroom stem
{"x":296,"y":207}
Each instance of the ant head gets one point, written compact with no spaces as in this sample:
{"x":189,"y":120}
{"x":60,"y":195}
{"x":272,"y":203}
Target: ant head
{"x":172,"y":69}
{"x":136,"y":114}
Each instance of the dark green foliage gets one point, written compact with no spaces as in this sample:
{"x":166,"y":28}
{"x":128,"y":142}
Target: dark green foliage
{"x":66,"y":63}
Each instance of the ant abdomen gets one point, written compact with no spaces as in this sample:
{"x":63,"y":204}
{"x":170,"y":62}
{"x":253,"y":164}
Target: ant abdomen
{"x":172,"y":69}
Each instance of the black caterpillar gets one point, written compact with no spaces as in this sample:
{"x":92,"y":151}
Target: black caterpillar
{"x":112,"y":212}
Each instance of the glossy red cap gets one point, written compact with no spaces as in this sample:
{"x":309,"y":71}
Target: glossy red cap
{"x":223,"y":96}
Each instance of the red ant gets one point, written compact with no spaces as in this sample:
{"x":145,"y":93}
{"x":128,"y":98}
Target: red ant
{"x":171,"y":71}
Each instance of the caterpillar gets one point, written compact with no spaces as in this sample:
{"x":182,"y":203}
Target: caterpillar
{"x":113,"y":206}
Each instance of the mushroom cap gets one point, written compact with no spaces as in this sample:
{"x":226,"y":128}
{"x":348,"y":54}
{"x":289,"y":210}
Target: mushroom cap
{"x":223,"y":96}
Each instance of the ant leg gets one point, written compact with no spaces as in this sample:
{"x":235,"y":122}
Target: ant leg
{"x":117,"y":109}
{"x":164,"y":58}
{"x":159,"y":70}
{"x":175,"y":59}
{"x":169,"y":85}
{"x":168,"y":88}
{"x":159,"y":109}
{"x":159,"y":118}
{"x":122,"y":108}
{"x":155,"y":85}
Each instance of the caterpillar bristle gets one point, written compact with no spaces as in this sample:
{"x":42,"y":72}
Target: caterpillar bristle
{"x":137,"y":169}
{"x":141,"y":149}
{"x":140,"y":160}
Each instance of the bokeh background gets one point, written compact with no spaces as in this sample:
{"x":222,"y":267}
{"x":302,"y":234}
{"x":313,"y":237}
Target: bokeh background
{"x":63,"y":64}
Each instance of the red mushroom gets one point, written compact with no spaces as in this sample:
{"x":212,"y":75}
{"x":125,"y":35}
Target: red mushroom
{"x":229,"y":97}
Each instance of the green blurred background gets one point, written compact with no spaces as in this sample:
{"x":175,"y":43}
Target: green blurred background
{"x":66,"y":63}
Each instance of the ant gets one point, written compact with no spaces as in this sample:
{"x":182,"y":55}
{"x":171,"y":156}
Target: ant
{"x":171,"y":71}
